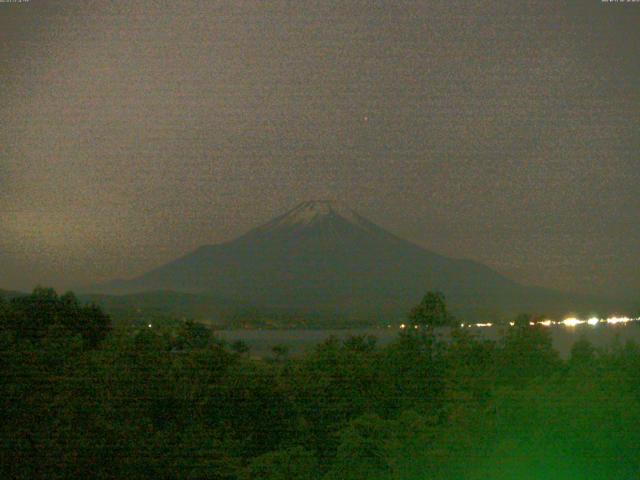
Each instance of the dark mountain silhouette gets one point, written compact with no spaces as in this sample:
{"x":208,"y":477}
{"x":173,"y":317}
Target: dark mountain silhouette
{"x":9,"y":294}
{"x":327,"y":260}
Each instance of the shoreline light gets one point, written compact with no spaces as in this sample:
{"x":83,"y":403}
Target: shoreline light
{"x":567,"y":322}
{"x":572,"y":322}
{"x":616,"y":320}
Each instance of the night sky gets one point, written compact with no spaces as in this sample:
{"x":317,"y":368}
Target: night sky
{"x":506,"y":132}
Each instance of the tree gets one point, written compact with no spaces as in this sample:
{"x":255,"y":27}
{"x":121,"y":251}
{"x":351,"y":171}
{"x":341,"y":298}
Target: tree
{"x":582,"y":352}
{"x":525,"y":352}
{"x":31,"y":316}
{"x":431,"y":312}
{"x":522,"y":321}
{"x":292,"y":463}
{"x":362,"y":453}
{"x":240,"y":347}
{"x":280,"y":351}
{"x":360,"y":343}
{"x":4,"y":314}
{"x":193,"y":335}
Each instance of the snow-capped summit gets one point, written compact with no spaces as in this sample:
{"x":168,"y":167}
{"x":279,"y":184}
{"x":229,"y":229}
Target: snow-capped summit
{"x":325,"y":259}
{"x":310,"y":211}
{"x":313,"y":213}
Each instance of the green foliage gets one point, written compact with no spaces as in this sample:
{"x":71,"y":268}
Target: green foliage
{"x":292,"y":463}
{"x":173,"y":402}
{"x":280,"y":351}
{"x":31,"y":316}
{"x":527,"y":352}
{"x":431,"y":312}
{"x":240,"y":347}
{"x":361,"y":453}
{"x":582,"y":353}
{"x":193,"y":335}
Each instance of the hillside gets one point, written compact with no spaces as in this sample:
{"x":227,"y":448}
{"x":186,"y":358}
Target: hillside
{"x":327,"y":260}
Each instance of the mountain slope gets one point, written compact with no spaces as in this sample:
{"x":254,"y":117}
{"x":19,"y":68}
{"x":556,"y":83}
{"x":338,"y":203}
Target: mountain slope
{"x":327,"y":259}
{"x":9,"y":294}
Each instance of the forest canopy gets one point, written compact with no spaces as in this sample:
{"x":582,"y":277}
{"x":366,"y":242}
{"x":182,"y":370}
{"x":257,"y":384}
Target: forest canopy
{"x":83,"y":400}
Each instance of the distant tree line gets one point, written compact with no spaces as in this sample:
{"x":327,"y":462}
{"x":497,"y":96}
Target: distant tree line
{"x":83,"y":400}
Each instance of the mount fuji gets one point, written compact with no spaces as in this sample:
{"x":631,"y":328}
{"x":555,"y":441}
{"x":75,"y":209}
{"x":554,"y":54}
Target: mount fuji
{"x":324,"y":259}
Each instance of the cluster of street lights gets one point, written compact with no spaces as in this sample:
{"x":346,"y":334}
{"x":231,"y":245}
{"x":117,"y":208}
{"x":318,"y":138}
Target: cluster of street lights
{"x":567,"y":322}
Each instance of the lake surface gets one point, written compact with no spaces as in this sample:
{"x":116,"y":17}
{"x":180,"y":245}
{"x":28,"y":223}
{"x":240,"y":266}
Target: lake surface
{"x":302,"y":340}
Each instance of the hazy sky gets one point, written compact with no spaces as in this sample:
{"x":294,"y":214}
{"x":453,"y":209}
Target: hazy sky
{"x":507,"y":132}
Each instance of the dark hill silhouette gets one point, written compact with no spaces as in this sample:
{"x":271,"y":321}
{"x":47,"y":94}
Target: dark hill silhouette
{"x":325,"y":259}
{"x":9,"y":294}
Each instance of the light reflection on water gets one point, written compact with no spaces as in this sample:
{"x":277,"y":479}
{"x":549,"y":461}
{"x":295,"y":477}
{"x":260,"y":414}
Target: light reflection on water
{"x":564,"y":334}
{"x":567,"y":322}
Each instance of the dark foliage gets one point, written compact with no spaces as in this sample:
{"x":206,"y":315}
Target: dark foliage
{"x":172,"y":402}
{"x":31,"y":316}
{"x":431,"y":312}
